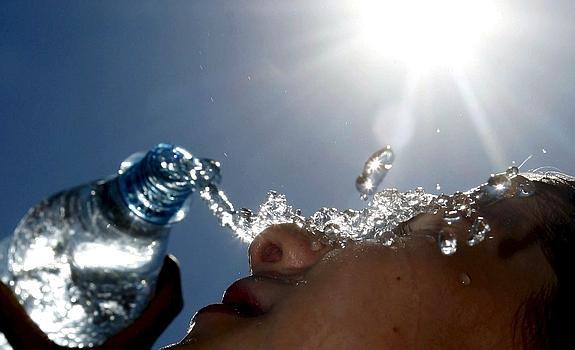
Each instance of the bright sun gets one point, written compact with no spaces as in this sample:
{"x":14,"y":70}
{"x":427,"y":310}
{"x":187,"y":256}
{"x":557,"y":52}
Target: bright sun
{"x":426,"y":33}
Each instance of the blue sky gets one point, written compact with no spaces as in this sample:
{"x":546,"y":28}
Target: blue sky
{"x":278,"y":93}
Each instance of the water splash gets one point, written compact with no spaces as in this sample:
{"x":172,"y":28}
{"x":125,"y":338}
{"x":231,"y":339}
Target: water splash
{"x":383,"y":215}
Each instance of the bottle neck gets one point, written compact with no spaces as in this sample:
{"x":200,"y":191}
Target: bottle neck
{"x":157,"y":188}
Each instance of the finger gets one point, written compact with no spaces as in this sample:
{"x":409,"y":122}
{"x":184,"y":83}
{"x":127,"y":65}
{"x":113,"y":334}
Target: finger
{"x":165,"y":305}
{"x":19,"y":329}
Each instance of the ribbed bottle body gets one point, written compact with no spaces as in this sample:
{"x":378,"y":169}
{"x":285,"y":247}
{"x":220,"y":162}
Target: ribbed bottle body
{"x":81,"y":276}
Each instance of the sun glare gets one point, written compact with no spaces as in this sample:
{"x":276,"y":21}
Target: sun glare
{"x":425,"y":33}
{"x":374,"y":166}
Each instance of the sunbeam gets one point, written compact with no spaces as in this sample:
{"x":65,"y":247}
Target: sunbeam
{"x":480,"y":121}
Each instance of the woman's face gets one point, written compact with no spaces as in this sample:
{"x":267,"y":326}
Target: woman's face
{"x":304,"y":295}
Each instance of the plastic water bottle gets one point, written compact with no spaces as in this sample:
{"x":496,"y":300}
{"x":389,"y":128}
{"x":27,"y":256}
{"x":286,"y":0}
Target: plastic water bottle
{"x":84,"y":262}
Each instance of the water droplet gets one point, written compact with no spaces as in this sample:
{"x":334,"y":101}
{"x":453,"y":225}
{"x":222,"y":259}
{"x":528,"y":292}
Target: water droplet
{"x":387,"y":238}
{"x":207,"y":171}
{"x":478,"y":231}
{"x":447,"y":242}
{"x":438,"y":187}
{"x":525,"y":188}
{"x":461,"y":202}
{"x":544,"y":150}
{"x":364,"y":197}
{"x":331,"y":228}
{"x":442,"y":201}
{"x":512,"y":171}
{"x":322,"y":219}
{"x":299,"y":220}
{"x":464,"y":279}
{"x":243,"y":219}
{"x":497,"y":187}
{"x":249,"y":77}
{"x":438,"y":130}
{"x":451,"y":216}
{"x":374,"y":170}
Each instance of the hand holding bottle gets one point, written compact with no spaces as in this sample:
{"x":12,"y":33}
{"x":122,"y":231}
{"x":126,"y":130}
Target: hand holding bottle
{"x":165,"y":304}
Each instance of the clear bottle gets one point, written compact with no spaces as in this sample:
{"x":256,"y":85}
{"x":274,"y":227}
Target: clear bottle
{"x":84,"y":262}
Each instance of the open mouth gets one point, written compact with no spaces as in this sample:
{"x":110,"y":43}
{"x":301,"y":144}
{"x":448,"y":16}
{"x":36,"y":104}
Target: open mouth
{"x":241,"y":310}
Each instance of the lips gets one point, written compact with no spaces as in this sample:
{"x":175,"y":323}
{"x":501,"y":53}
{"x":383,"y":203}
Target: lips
{"x":239,"y":299}
{"x":246,"y":296}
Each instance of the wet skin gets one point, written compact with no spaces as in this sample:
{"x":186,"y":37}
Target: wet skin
{"x":304,"y":295}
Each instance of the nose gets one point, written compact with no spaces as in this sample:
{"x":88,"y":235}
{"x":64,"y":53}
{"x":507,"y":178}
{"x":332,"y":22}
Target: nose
{"x":285,"y":250}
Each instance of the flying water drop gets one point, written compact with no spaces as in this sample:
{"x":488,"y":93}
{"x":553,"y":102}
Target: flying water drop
{"x":374,"y":170}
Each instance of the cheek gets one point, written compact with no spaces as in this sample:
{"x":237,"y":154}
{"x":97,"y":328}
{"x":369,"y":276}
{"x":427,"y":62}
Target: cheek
{"x":357,"y":301}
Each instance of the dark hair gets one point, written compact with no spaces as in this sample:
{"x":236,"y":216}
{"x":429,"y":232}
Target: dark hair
{"x":544,"y":320}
